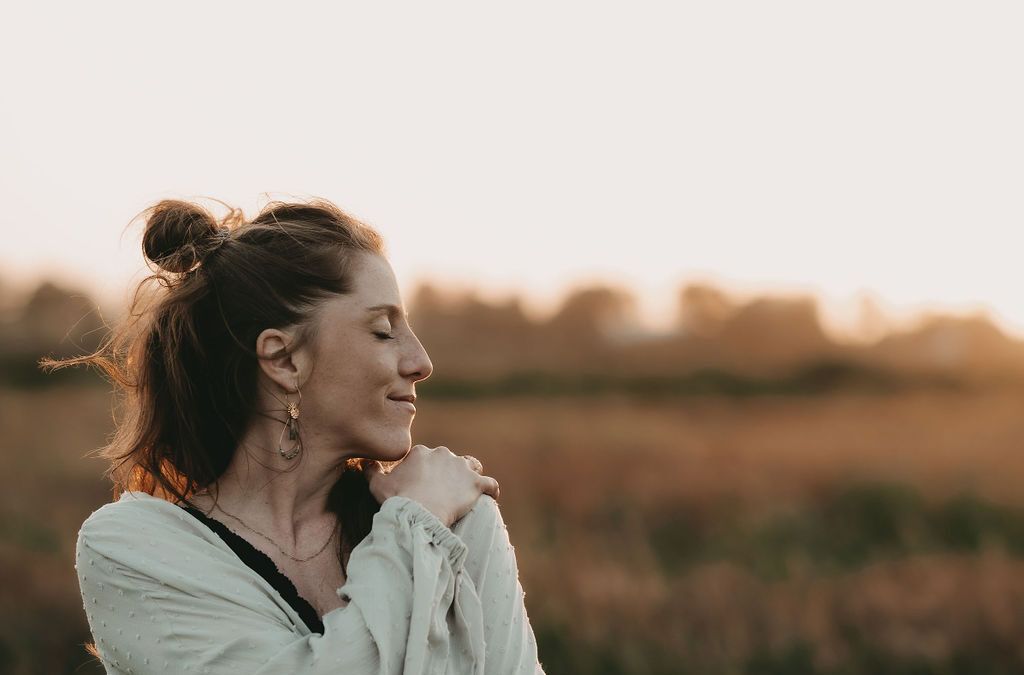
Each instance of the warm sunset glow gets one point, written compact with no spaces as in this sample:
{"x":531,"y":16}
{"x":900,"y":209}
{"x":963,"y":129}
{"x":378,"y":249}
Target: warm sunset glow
{"x":727,"y":297}
{"x":842,"y":150}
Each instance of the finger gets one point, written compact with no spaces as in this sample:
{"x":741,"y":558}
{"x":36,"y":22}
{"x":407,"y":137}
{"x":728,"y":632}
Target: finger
{"x":474,"y":463}
{"x":489,"y":486}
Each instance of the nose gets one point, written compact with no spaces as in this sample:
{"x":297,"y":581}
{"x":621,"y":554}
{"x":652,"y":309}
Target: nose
{"x":417,"y":365}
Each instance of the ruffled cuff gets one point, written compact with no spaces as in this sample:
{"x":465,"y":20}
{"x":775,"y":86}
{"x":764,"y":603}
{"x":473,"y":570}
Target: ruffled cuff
{"x":410,"y":511}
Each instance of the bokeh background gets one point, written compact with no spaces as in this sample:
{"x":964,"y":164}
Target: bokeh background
{"x":727,"y":296}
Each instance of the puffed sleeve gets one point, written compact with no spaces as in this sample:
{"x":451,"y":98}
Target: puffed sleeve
{"x":156,"y":608}
{"x":511,"y":648}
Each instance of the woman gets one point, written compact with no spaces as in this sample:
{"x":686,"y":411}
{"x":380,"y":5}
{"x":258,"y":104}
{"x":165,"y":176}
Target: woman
{"x":271,"y":513}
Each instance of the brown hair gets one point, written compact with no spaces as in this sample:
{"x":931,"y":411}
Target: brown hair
{"x":184,"y":360}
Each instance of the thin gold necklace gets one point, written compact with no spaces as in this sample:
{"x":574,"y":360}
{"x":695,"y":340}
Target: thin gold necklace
{"x":334,"y":530}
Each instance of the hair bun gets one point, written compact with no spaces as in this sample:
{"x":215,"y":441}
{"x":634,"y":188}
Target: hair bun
{"x":178,"y":234}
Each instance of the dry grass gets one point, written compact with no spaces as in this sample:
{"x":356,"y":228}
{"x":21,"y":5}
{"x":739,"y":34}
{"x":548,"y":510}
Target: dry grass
{"x":585,"y":485}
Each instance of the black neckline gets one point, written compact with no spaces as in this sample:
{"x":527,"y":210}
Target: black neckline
{"x":262,"y":564}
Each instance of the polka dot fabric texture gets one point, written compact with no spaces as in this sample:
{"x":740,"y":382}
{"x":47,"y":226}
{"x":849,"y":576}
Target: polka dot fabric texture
{"x":164,"y":594}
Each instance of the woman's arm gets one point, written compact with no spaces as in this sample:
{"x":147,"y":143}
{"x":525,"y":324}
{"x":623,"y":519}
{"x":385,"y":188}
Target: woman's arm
{"x":491,"y":563}
{"x":154,"y":607}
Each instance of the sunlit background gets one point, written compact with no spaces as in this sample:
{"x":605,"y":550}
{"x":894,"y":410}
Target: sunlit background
{"x":727,"y":296}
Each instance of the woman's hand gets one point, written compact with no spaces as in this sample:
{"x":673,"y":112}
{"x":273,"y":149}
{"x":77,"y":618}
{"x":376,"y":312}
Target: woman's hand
{"x":447,"y":484}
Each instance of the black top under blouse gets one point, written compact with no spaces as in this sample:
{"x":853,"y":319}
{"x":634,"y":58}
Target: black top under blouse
{"x":261,"y":563}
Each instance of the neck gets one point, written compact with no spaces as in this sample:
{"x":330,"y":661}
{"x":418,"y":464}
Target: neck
{"x":288,"y":497}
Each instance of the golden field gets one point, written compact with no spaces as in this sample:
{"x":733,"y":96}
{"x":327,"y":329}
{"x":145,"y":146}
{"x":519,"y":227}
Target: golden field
{"x":839,"y":533}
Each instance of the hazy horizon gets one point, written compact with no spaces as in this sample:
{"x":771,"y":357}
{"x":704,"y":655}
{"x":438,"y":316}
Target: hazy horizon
{"x":785,"y":148}
{"x":843,"y":321}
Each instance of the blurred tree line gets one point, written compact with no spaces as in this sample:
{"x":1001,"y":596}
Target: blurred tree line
{"x":595,"y":342}
{"x":48,"y":320}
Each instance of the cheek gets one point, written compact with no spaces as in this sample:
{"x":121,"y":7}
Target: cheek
{"x":354,"y":384}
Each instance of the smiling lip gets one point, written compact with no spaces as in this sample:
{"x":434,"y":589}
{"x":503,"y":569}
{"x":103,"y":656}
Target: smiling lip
{"x":405,"y":404}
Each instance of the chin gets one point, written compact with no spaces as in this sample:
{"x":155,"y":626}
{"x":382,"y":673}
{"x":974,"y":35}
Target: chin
{"x":395,"y":450}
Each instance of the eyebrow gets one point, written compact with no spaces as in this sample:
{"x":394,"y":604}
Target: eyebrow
{"x":390,"y":309}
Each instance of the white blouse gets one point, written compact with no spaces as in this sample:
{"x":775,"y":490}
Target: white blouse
{"x":163,"y":593}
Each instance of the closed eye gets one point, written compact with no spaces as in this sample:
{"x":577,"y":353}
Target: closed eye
{"x":384,"y":336}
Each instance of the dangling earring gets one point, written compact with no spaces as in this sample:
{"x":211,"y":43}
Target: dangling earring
{"x":291,"y":425}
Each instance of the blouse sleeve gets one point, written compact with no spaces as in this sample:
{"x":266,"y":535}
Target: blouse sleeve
{"x":147,"y":617}
{"x":511,"y":648}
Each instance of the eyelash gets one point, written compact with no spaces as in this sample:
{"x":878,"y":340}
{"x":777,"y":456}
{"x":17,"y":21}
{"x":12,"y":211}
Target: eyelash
{"x":384,"y":336}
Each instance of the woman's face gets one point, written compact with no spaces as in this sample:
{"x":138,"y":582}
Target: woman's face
{"x":364,"y":353}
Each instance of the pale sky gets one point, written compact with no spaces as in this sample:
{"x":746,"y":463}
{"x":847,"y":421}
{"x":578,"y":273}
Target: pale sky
{"x":842,"y":149}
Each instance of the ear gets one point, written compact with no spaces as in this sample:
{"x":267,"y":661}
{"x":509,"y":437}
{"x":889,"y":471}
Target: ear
{"x":284,"y":369}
